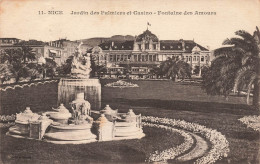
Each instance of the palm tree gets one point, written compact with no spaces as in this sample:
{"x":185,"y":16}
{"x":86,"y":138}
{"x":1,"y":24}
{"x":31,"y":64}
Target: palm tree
{"x":5,"y":72}
{"x":27,"y":54}
{"x":175,"y":68}
{"x":10,"y":56}
{"x":235,"y":67}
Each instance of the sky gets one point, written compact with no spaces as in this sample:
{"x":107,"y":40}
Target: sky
{"x":21,"y":19}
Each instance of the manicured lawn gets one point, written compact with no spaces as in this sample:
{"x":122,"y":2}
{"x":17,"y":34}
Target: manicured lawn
{"x":154,"y":98}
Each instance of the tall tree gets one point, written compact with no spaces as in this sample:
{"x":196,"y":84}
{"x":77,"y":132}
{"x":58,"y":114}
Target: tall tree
{"x":27,"y":53}
{"x":5,"y":72}
{"x":176,"y":68}
{"x":235,"y":67}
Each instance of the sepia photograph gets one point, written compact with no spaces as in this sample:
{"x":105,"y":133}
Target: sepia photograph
{"x":130,"y":81}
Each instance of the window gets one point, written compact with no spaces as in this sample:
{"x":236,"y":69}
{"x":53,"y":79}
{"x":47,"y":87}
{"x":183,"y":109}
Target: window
{"x":143,"y":58}
{"x":202,"y":58}
{"x":154,"y":46}
{"x":154,"y":57}
{"x":135,"y":57}
{"x":111,"y":58}
{"x":150,"y":57}
{"x":147,"y":46}
{"x":139,"y":45}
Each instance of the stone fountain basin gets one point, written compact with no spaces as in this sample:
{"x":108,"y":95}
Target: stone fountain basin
{"x":71,"y":135}
{"x":70,"y":132}
{"x":20,"y":128}
{"x":59,"y":115}
{"x":71,"y":127}
{"x":125,"y":124}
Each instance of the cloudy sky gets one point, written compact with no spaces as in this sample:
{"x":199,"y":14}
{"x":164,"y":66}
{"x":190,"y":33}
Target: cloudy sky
{"x":21,"y":19}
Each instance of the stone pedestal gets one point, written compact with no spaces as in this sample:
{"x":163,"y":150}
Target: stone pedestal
{"x":104,"y":129}
{"x":69,"y":88}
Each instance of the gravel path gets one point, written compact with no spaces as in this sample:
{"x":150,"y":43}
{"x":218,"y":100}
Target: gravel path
{"x":199,"y":150}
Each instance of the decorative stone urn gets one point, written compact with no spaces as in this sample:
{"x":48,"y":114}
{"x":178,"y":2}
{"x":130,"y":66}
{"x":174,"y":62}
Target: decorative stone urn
{"x":110,"y":114}
{"x":22,"y":122}
{"x":130,"y":116}
{"x":61,"y":114}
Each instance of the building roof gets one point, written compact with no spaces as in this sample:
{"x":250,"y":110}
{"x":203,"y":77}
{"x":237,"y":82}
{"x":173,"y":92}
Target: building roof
{"x":10,"y":38}
{"x":31,"y":42}
{"x":117,"y":45}
{"x":178,"y":45}
{"x":147,"y":35}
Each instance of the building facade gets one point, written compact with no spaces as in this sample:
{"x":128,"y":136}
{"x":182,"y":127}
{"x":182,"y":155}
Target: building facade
{"x":58,"y":50}
{"x":145,"y":52}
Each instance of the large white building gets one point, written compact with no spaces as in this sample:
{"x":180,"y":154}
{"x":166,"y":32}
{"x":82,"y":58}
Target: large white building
{"x":146,"y":51}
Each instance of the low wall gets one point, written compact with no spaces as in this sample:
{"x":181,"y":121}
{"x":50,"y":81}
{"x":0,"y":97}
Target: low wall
{"x":40,"y":96}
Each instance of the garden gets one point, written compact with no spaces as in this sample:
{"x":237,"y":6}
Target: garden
{"x":172,"y":118}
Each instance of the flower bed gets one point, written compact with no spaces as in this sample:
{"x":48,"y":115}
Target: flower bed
{"x":7,"y":118}
{"x":252,"y":122}
{"x":26,"y":85}
{"x":121,"y":84}
{"x":219,"y":143}
{"x":172,"y":152}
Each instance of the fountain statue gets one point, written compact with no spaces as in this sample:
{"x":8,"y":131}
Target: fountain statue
{"x":80,"y":67}
{"x":79,"y":81}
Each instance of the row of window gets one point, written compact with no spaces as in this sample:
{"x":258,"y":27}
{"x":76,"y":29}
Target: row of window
{"x":147,"y":46}
{"x":114,"y":58}
{"x":196,"y":58}
{"x":120,"y":69}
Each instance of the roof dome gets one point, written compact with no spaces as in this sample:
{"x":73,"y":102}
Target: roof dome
{"x":196,"y":49}
{"x":147,"y":35}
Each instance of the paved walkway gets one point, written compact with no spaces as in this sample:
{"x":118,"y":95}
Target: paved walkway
{"x":199,"y":150}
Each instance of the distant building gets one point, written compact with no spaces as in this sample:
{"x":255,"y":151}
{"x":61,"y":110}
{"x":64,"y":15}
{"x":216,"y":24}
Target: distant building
{"x":147,"y":51}
{"x":58,"y":50}
{"x":9,"y":41}
{"x":39,"y":48}
{"x":68,"y":47}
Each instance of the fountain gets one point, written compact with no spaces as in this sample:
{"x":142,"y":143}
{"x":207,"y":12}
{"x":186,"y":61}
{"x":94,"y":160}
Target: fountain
{"x":62,"y":127}
{"x":72,"y":128}
{"x":75,"y":124}
{"x":79,"y":82}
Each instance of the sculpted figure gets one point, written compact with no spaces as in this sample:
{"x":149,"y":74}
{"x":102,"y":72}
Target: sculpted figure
{"x":80,"y":66}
